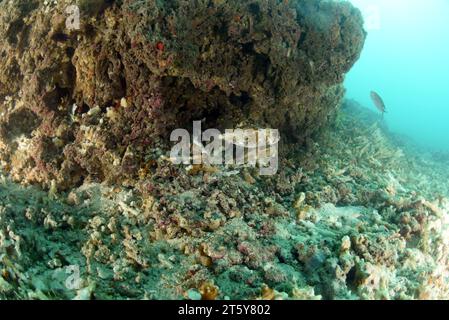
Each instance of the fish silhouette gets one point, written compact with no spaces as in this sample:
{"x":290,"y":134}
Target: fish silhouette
{"x":378,"y":102}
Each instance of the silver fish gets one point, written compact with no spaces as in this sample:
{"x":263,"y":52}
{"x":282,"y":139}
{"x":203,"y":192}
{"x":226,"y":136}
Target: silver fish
{"x":378,"y":102}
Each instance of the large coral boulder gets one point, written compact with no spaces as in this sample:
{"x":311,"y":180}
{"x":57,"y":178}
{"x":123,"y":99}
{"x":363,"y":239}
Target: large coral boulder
{"x":93,"y":102}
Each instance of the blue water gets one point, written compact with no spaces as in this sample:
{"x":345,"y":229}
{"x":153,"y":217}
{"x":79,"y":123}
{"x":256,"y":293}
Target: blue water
{"x":406,"y":60}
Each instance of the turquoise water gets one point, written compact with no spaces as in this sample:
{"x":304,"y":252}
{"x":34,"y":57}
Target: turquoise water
{"x":405,"y":59}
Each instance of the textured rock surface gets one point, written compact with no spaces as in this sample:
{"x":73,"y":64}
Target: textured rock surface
{"x":236,"y":62}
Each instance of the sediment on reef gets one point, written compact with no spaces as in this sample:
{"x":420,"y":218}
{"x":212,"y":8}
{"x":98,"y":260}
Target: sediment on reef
{"x":90,"y":103}
{"x":361,"y":217}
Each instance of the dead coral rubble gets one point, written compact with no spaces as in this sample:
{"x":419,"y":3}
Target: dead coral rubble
{"x":348,"y":228}
{"x":87,"y":104}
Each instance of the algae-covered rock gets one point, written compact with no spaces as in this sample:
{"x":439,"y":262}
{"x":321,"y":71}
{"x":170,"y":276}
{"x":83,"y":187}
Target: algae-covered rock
{"x":88,"y":103}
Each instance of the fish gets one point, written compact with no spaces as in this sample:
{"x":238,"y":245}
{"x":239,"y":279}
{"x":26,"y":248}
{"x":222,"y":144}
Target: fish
{"x":378,"y":102}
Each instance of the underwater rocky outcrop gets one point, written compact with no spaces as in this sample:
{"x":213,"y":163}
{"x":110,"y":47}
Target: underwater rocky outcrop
{"x":97,"y":102}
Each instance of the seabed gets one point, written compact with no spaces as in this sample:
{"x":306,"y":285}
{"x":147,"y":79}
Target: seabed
{"x":362,"y":214}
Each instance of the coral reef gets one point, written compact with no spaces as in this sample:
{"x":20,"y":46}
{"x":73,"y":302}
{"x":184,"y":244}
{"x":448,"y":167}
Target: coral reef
{"x":353,"y":213}
{"x":89,"y":104}
{"x":335,"y":223}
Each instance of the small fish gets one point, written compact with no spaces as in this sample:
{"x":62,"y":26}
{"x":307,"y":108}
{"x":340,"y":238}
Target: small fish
{"x":380,"y":105}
